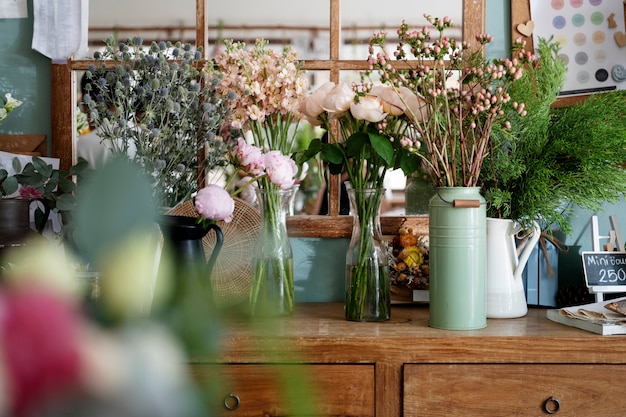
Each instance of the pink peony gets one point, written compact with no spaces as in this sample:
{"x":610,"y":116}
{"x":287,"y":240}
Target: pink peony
{"x":215,"y":203}
{"x":280,"y":169}
{"x":250,"y":157}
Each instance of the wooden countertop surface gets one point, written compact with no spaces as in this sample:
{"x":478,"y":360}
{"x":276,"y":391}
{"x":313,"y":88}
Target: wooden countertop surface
{"x":318,"y":333}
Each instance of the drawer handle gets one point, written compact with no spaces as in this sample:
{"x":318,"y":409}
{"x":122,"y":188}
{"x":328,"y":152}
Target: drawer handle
{"x":231,"y":401}
{"x":551,"y":405}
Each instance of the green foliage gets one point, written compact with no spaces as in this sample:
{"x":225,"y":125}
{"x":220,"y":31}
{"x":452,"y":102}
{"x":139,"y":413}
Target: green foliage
{"x":554,"y":159}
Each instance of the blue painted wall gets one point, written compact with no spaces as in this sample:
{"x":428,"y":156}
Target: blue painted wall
{"x":25,"y":74}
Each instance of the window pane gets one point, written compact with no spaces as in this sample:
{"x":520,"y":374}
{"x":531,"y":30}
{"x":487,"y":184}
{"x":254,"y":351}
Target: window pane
{"x":360,"y":19}
{"x":154,"y":20}
{"x":281,"y":22}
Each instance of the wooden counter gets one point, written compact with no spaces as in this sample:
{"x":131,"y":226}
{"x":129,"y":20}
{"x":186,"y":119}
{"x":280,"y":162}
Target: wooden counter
{"x":401,"y":367}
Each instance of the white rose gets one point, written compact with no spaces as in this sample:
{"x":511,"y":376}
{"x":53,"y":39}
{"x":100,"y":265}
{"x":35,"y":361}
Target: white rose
{"x":338,"y":99}
{"x":368,"y":108}
{"x":392,"y":102}
{"x":417,"y":109}
{"x":311,"y":107}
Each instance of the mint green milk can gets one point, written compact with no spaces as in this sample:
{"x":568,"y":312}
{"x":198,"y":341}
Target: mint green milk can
{"x":458,"y":259}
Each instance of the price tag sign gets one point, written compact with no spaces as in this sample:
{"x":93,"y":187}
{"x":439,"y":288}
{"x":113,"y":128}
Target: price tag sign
{"x":605,"y":272}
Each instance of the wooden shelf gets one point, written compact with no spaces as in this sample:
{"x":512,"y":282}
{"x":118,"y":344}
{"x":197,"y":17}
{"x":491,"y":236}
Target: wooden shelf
{"x":319,"y":334}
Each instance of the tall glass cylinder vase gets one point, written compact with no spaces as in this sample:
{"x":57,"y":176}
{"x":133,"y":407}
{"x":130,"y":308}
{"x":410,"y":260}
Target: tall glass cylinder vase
{"x":458,"y":259}
{"x":272,"y":287}
{"x":367,"y":273}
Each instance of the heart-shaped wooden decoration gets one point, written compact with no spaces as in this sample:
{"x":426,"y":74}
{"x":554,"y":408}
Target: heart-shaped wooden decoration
{"x":620,"y":38}
{"x":527,"y":28}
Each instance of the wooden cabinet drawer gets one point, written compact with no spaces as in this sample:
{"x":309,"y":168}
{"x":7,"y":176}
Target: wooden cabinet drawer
{"x":281,"y":390}
{"x":514,"y":390}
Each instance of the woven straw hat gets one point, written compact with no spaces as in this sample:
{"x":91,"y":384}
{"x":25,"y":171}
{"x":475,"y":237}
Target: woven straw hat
{"x":230,"y":278}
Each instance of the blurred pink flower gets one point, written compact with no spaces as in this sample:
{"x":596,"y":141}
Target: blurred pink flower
{"x":280,"y":169}
{"x":215,"y":203}
{"x":40,"y":352}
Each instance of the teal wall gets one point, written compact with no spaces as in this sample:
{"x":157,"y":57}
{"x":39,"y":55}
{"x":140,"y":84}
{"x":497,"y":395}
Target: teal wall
{"x":319,"y":263}
{"x":25,"y":74}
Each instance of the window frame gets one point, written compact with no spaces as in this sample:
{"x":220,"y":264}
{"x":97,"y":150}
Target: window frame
{"x":333,"y":225}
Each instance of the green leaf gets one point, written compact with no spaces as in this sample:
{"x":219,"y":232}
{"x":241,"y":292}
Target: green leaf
{"x":315,"y":147}
{"x":67,"y":185}
{"x":335,"y":169}
{"x":80,"y":167}
{"x":40,"y":218}
{"x":49,"y":188}
{"x":17,"y":165}
{"x":66,"y":202}
{"x":33,"y":179}
{"x":332,"y":154}
{"x":409,"y":162}
{"x":41,"y":167}
{"x":355,"y":144}
{"x":383,"y":147}
{"x":10,"y":185}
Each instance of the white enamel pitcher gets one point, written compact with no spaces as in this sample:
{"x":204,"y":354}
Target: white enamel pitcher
{"x":505,"y":289}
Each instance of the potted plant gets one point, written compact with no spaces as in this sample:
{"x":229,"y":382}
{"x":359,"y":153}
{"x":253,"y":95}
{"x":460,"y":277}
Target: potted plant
{"x":38,"y":180}
{"x":552,"y":160}
{"x":162,"y":103}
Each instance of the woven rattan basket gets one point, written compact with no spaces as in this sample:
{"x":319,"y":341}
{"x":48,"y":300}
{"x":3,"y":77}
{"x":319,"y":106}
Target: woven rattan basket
{"x":230,"y":279}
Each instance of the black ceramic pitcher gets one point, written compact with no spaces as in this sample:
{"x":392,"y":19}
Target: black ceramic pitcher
{"x":183,"y":235}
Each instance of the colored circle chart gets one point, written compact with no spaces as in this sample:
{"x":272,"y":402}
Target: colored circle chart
{"x":588,"y":34}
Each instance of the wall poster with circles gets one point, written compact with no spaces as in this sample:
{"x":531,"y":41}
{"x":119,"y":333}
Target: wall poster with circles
{"x":592,"y":37}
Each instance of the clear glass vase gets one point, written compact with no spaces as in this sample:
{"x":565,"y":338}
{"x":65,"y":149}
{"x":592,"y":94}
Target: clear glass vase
{"x":272,"y":288}
{"x":367,"y":272}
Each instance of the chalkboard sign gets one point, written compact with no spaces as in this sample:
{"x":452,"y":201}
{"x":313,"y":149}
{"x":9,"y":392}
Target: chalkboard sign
{"x":604,"y":268}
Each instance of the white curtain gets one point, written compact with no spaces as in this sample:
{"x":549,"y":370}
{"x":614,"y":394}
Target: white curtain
{"x":60,"y":28}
